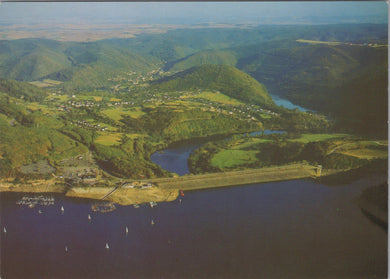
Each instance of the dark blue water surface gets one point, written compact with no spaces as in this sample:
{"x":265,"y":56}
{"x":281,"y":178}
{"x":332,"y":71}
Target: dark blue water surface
{"x":286,"y":103}
{"x":292,"y":229}
{"x":175,"y":158}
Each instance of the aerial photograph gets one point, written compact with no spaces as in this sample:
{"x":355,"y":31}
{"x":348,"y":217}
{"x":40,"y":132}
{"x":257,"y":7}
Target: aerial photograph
{"x":194,"y":140}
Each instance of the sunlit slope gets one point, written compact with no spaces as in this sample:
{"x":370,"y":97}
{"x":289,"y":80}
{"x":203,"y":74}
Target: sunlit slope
{"x":79,"y":65}
{"x":217,"y":57}
{"x":228,"y":80}
{"x":29,"y":136}
{"x":31,"y":59}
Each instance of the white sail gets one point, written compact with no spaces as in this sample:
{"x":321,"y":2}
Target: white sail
{"x":107,"y":247}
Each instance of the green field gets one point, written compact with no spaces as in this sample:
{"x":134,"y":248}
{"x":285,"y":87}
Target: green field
{"x":366,"y":153}
{"x":37,"y":106}
{"x":109,"y":139}
{"x":248,"y":143}
{"x":233,"y":158}
{"x":220,"y":98}
{"x":46,"y":83}
{"x":365,"y":149}
{"x":306,"y":138}
{"x":117,"y":113}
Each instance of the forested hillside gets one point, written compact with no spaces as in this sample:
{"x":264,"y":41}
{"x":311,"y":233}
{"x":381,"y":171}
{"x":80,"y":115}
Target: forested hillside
{"x":228,"y":80}
{"x":22,"y":90}
{"x":325,"y":68}
{"x":79,"y":65}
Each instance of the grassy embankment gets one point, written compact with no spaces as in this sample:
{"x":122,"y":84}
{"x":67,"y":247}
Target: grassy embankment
{"x":225,"y":179}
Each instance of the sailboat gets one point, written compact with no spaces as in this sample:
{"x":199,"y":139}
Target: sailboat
{"x":62,"y":209}
{"x":66,"y":248}
{"x":127,"y":230}
{"x":152,"y":222}
{"x":5,"y":230}
{"x":89,"y":217}
{"x":107,"y":247}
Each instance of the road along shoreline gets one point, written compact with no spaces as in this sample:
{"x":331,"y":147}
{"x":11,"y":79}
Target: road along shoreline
{"x":167,"y":189}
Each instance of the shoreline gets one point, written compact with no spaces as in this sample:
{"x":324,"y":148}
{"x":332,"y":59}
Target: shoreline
{"x":167,"y":189}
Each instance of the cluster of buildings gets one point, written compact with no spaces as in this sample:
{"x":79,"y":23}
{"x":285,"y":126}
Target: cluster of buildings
{"x":85,"y":124}
{"x":137,"y":185}
{"x":83,"y":176}
{"x":133,"y":78}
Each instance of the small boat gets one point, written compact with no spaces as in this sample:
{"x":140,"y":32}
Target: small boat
{"x":66,"y":249}
{"x":127,"y":230}
{"x":89,"y":217}
{"x":62,"y":209}
{"x":40,"y":211}
{"x":152,"y":222}
{"x":107,"y":247}
{"x":136,"y":205}
{"x":5,"y":230}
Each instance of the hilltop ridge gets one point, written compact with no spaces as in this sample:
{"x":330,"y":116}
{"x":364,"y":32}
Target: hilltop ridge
{"x":226,"y":79}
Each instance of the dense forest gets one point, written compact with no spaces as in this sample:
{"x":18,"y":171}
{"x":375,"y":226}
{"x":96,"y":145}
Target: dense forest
{"x":323,"y":68}
{"x":122,"y":99}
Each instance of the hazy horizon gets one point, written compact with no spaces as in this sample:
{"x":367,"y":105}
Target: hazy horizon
{"x":12,"y":13}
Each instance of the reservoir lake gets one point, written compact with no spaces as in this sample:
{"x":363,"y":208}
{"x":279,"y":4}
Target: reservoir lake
{"x":289,"y":229}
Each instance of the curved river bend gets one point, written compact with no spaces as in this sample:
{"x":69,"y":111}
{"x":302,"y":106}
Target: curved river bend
{"x":290,"y":229}
{"x":175,"y":157}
